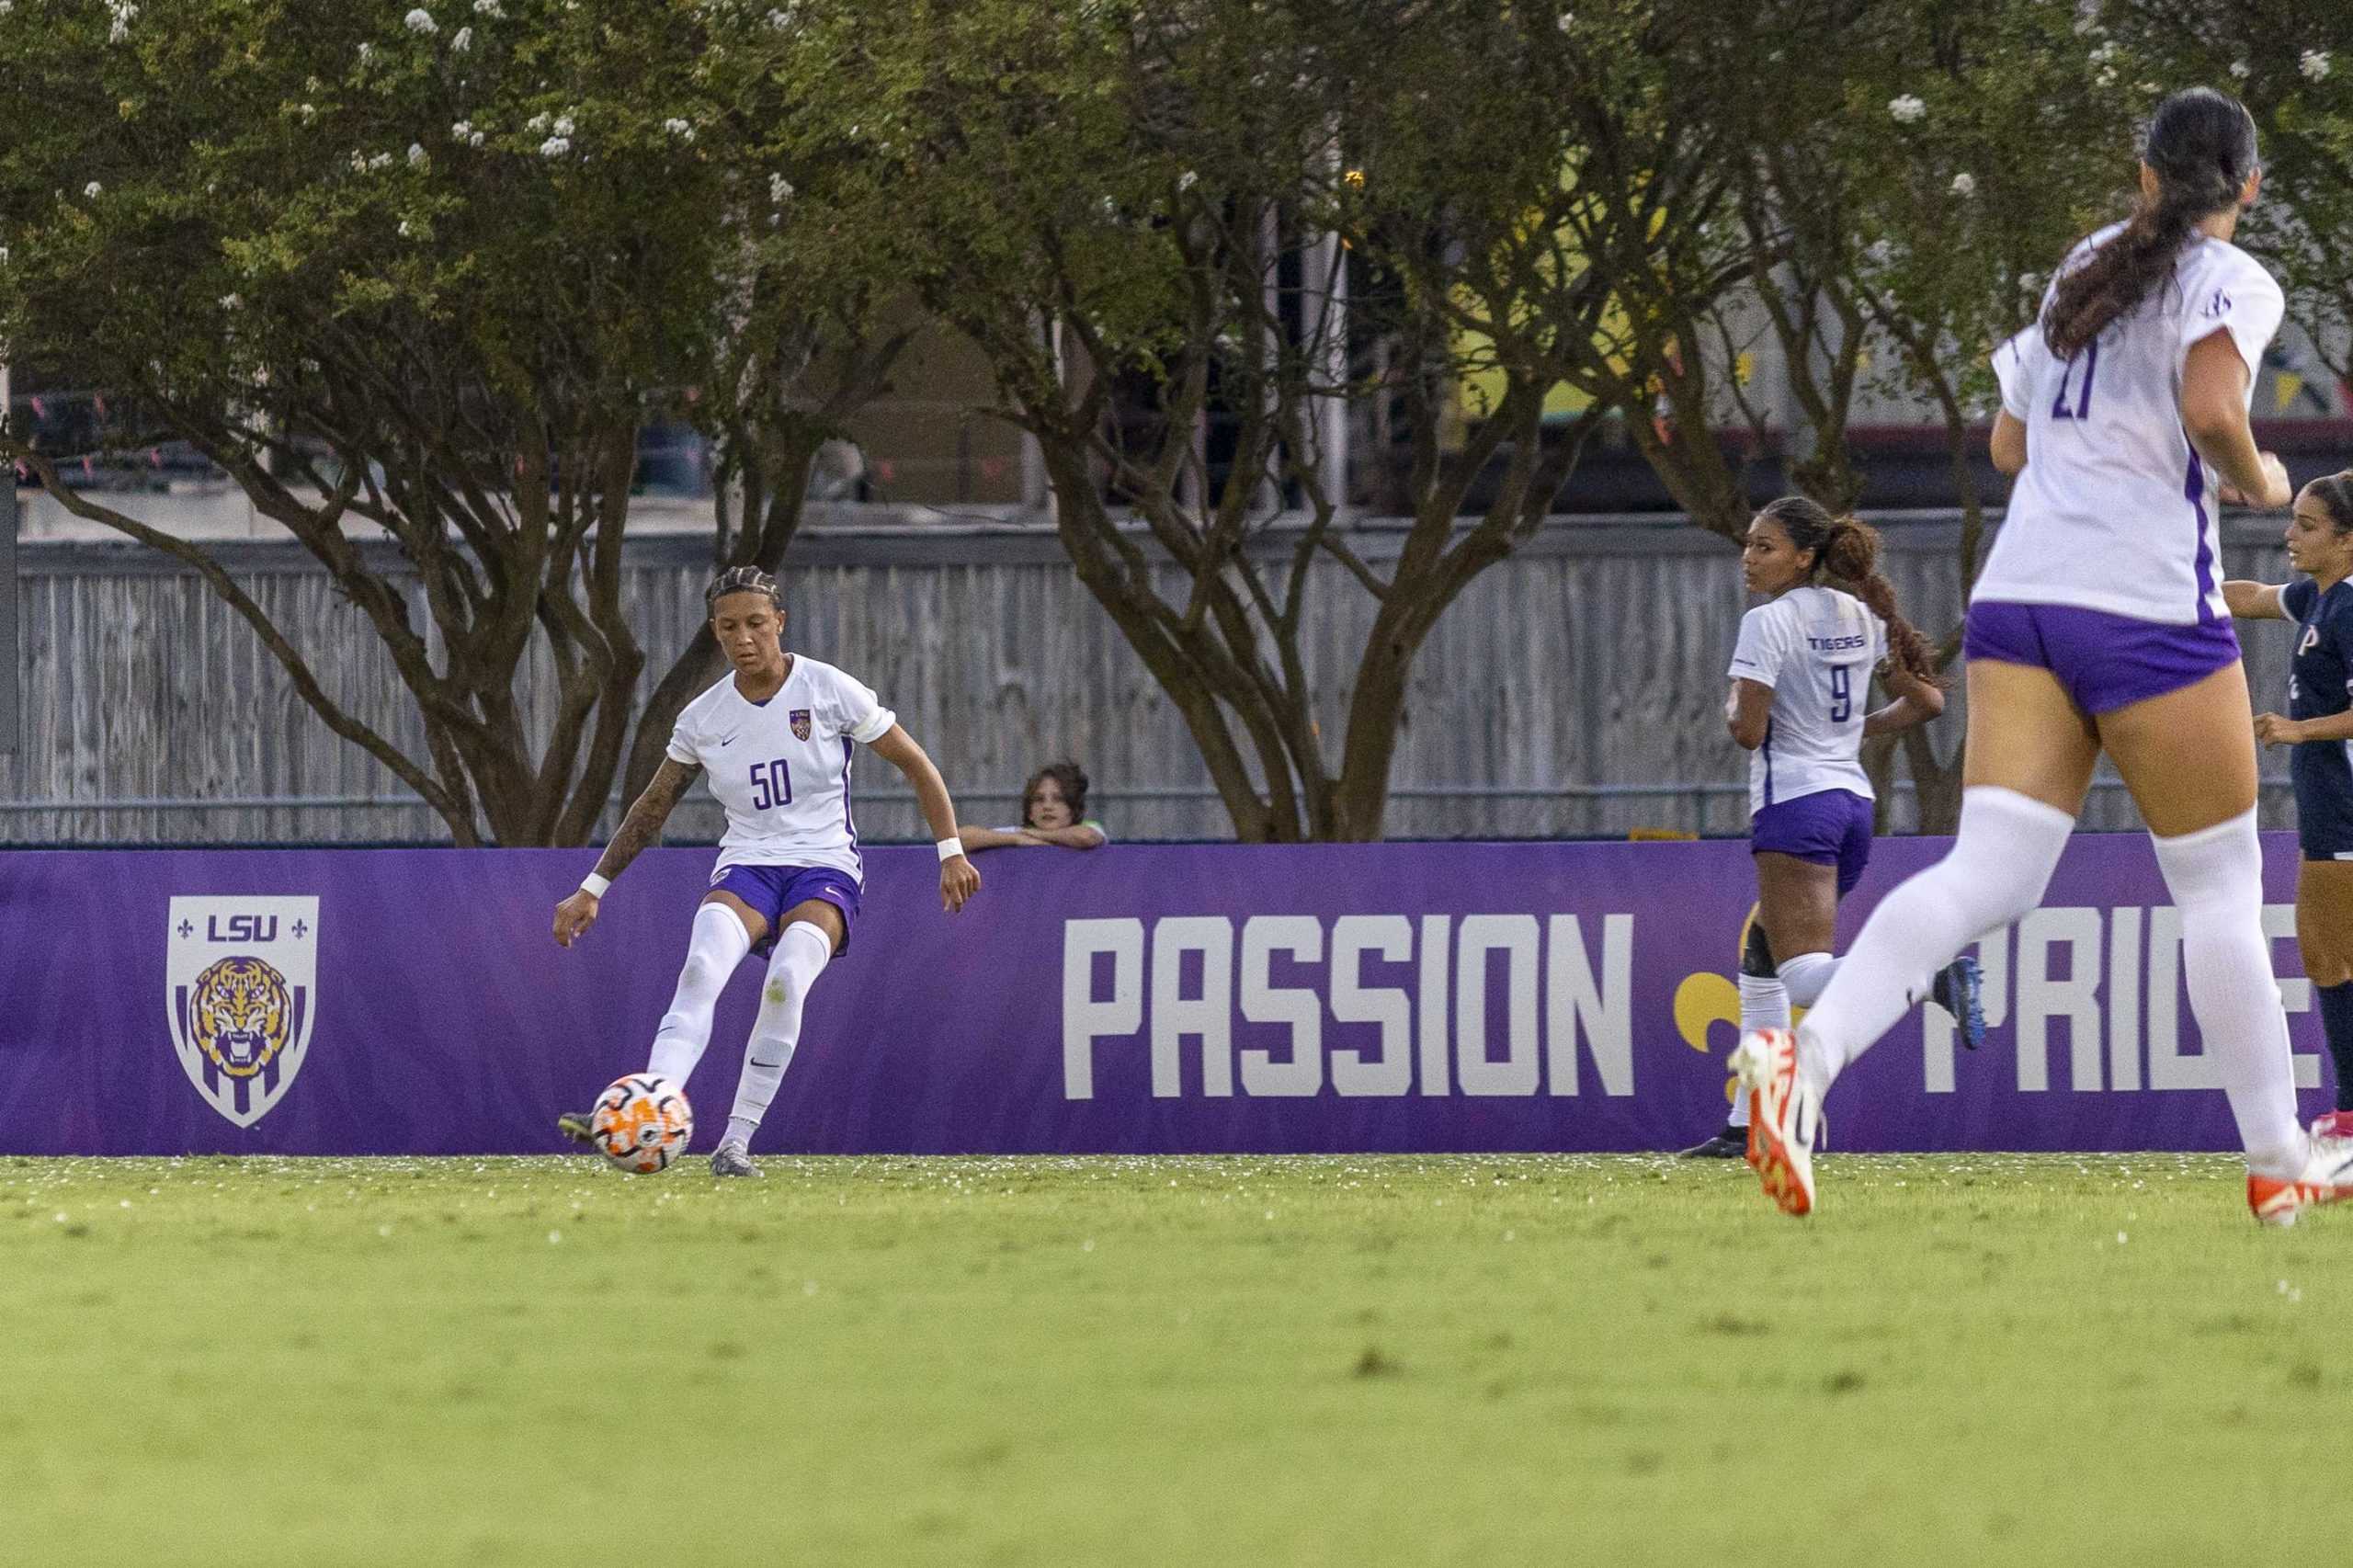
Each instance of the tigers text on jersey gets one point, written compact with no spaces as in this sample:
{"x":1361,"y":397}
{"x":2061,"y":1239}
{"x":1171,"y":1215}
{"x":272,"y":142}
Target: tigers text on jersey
{"x":781,"y":767}
{"x":2115,"y":511}
{"x":1817,"y":648}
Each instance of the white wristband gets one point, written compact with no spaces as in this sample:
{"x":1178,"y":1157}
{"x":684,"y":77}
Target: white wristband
{"x":949,"y":848}
{"x":593,"y":885}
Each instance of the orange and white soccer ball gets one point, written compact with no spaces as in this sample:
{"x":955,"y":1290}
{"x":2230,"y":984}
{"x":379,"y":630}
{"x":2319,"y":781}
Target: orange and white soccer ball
{"x":642,"y":1123}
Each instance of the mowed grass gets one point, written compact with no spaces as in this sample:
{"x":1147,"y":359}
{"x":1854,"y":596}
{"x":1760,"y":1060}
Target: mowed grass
{"x":1253,"y":1360}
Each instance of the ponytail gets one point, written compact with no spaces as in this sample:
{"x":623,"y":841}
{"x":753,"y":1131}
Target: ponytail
{"x":2201,"y":145}
{"x":1846,"y":552}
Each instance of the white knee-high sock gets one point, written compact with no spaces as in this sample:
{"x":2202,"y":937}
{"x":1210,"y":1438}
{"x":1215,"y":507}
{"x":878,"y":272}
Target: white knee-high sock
{"x":1764,"y":1004}
{"x":717,"y":946}
{"x":2001,"y":860}
{"x":800,"y":956}
{"x":1805,"y":977}
{"x":2216,"y":877}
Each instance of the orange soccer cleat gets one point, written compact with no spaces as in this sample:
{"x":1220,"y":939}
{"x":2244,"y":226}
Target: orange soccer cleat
{"x":1785,"y":1117}
{"x":2327,"y":1178}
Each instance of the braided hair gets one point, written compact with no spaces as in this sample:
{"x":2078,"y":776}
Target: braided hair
{"x":2201,"y":145}
{"x":1846,"y":552}
{"x":743,"y":580}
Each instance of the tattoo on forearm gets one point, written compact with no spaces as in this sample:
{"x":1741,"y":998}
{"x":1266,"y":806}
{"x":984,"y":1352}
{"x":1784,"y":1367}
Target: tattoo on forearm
{"x":642,"y":825}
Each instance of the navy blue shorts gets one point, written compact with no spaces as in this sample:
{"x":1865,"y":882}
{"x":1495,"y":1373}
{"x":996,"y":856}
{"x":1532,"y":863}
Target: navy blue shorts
{"x":2324,"y":774}
{"x":772,"y":890}
{"x":1830,"y":827}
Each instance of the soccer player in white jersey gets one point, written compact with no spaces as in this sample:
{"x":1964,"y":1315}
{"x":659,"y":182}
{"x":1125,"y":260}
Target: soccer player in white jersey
{"x":2099,"y":624}
{"x":776,"y":737}
{"x":1801,"y":706}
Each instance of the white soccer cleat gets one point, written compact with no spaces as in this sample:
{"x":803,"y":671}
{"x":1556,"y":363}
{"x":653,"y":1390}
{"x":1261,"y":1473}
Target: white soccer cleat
{"x":1784,"y":1119}
{"x":2327,"y":1178}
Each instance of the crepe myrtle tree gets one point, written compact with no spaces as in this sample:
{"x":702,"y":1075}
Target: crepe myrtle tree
{"x":1180,"y":233}
{"x":421,"y":271}
{"x":1970,"y":146}
{"x":2292,"y":66}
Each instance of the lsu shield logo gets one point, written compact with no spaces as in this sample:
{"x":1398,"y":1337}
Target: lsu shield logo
{"x":240,"y":983}
{"x":800,"y":717}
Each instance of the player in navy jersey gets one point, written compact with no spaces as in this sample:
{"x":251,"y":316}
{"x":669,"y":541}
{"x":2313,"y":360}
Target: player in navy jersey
{"x":776,"y":738}
{"x":2318,"y":728}
{"x":1801,"y":706}
{"x":2099,"y":625}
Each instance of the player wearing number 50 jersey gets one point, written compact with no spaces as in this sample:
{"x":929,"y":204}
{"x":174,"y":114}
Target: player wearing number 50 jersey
{"x":776,"y":738}
{"x":2100,"y":625}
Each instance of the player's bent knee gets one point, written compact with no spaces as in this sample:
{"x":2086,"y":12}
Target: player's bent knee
{"x":1757,"y":954}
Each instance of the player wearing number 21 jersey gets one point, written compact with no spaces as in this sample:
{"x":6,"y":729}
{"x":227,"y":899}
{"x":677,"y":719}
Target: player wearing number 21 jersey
{"x":2099,"y":625}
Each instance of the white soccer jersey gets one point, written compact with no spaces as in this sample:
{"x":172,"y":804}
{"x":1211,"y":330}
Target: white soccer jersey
{"x":1817,"y":648}
{"x":781,"y":767}
{"x":2115,"y":511}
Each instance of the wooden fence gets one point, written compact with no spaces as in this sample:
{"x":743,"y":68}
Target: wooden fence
{"x":1575,"y":689}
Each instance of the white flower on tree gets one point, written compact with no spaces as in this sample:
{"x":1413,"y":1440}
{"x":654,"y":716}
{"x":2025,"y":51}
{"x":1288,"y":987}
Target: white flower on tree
{"x":415,"y":155}
{"x":420,"y":22}
{"x":488,"y":8}
{"x":564,"y":125}
{"x":461,"y":130}
{"x":461,"y":40}
{"x":2239,"y":69}
{"x":555,"y":147}
{"x":92,"y":188}
{"x":1964,"y":183}
{"x":2314,"y":64}
{"x":1908,"y":109}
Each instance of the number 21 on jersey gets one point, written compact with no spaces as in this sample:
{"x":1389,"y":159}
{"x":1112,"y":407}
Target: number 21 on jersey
{"x":2083,"y":409}
{"x":771,"y":785}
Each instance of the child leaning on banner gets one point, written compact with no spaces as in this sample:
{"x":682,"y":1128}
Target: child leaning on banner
{"x":1053,"y":803}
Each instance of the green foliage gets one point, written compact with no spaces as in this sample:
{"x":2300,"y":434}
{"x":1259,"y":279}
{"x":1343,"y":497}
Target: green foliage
{"x":2292,"y":66}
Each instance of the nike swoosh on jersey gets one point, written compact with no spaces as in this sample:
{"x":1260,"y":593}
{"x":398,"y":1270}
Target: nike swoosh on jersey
{"x":730,"y":740}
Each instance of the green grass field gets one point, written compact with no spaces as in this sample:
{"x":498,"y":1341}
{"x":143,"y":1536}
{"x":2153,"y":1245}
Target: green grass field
{"x":1340,"y":1360}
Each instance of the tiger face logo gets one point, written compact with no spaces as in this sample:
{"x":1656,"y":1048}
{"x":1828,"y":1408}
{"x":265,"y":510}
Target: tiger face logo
{"x":241,"y":988}
{"x":240,"y":1013}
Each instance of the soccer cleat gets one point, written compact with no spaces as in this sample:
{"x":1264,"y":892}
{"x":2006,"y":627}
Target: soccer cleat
{"x":1958,"y":989}
{"x":1732,"y":1143}
{"x":577,"y":1125}
{"x":2327,"y":1178}
{"x":732,"y":1160}
{"x":1784,"y":1118}
{"x":2336,"y":1124}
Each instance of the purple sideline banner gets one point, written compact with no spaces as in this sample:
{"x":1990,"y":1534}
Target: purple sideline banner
{"x":1141,"y":999}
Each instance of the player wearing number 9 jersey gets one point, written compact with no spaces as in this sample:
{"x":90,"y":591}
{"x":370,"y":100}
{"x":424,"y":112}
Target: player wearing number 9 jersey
{"x":1801,"y":706}
{"x":2099,"y":625}
{"x":776,"y":738}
